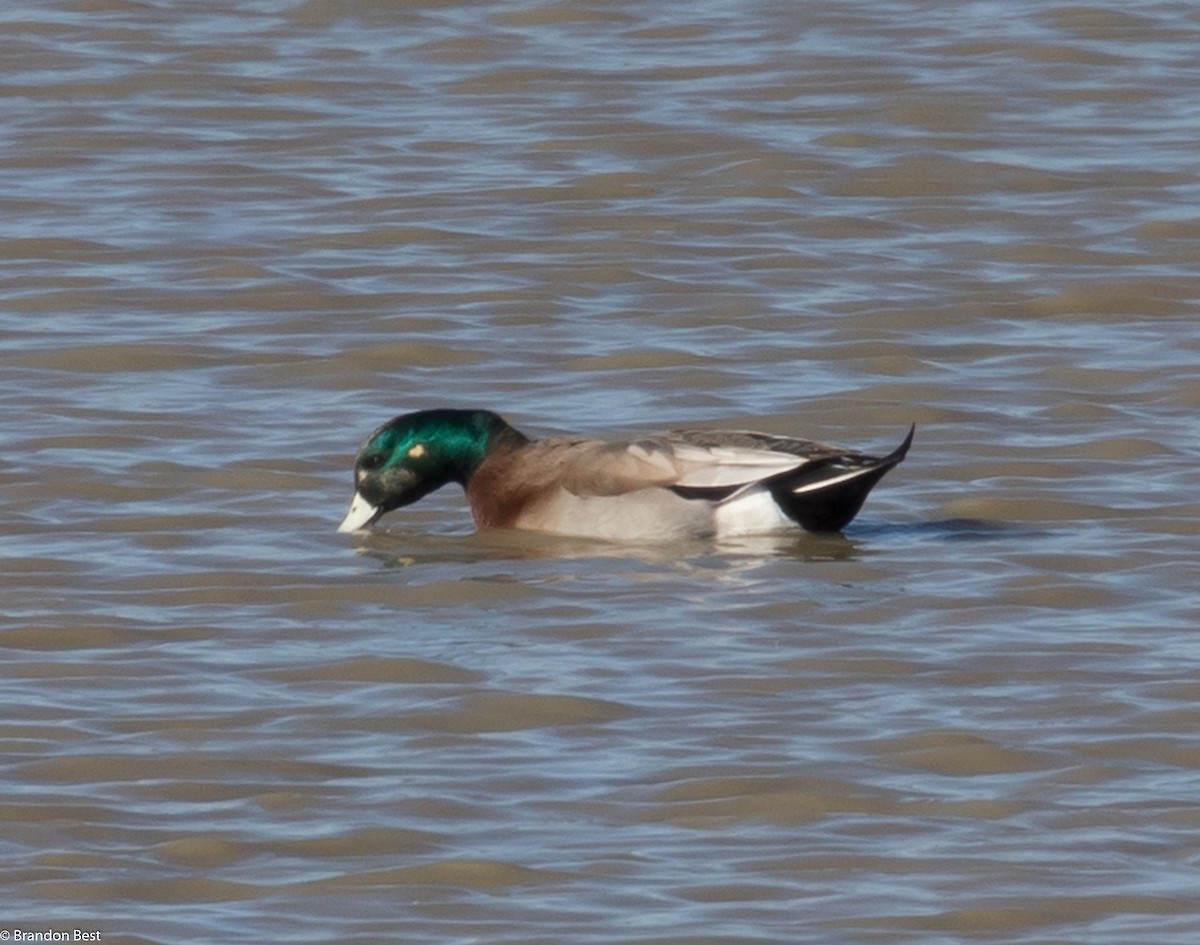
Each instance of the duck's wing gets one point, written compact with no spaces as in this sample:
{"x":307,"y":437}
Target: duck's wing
{"x":717,"y":468}
{"x":754,"y":441}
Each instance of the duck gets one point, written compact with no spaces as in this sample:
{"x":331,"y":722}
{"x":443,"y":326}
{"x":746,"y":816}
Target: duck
{"x":692,"y":483}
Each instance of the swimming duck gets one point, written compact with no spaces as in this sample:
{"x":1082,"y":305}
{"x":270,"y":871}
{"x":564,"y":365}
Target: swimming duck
{"x":688,"y":483}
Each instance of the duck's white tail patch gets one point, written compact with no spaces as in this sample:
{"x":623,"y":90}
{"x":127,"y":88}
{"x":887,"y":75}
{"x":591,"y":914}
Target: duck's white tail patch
{"x":753,"y":512}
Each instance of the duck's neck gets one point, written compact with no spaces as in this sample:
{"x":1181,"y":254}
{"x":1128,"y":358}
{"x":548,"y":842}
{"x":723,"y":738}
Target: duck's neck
{"x":469,"y":436}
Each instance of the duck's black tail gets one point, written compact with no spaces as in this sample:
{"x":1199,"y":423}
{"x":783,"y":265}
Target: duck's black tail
{"x":826,"y":494}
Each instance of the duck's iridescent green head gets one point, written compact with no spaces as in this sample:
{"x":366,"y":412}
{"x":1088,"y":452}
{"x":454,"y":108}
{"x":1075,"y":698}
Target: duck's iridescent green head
{"x":414,"y":454}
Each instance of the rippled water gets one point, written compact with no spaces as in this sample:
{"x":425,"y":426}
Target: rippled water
{"x":238,"y":235}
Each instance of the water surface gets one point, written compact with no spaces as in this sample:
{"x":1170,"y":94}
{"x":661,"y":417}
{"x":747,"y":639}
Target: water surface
{"x":236,"y":239}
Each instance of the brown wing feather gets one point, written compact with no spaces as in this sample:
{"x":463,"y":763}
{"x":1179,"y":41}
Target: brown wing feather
{"x":593,"y":467}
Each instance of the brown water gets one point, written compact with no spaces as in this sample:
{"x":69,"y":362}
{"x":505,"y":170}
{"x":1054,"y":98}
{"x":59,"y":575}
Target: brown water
{"x":238,"y":235}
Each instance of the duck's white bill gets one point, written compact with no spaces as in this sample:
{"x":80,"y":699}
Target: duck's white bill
{"x":361,"y":512}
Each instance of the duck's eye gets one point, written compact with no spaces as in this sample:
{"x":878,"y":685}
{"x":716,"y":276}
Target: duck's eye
{"x":371,"y":461}
{"x":417,"y":451}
